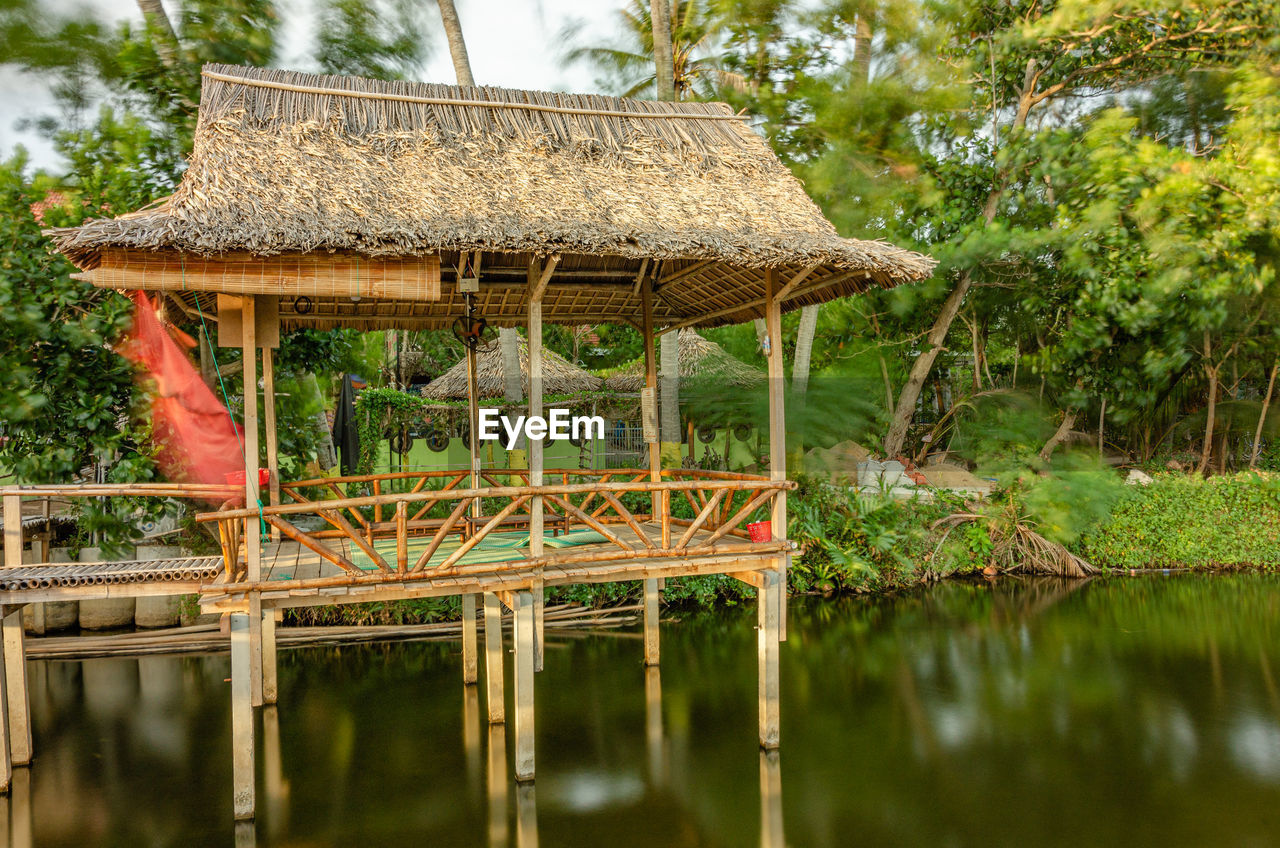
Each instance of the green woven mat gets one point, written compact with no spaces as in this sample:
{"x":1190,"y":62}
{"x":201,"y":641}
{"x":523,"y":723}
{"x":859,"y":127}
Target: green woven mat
{"x":495,"y":547}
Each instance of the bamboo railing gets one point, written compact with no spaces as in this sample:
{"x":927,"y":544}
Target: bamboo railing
{"x":433,"y":504}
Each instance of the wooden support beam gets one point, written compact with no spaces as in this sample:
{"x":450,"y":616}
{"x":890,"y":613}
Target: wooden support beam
{"x":6,"y":764}
{"x":635,"y":288}
{"x":269,"y":426}
{"x":652,"y":601}
{"x":470,"y":672}
{"x":255,"y":646}
{"x":791,"y":284}
{"x":777,"y":427}
{"x":767,"y":647}
{"x":539,"y":284}
{"x":493,"y":659}
{"x":473,"y":422}
{"x":524,"y":664}
{"x":18,"y":695}
{"x":270,"y":679}
{"x":687,"y":271}
{"x":536,"y":452}
{"x":242,"y":746}
{"x":760,"y":302}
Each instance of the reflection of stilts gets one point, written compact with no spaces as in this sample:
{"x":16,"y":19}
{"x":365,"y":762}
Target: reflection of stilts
{"x":246,"y":835}
{"x":771,"y":831}
{"x":273,"y":768}
{"x":20,"y":809}
{"x":471,"y":737}
{"x":653,"y":725}
{"x":526,"y":816}
{"x":497,"y":768}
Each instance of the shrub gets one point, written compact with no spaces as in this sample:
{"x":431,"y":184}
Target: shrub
{"x":1183,"y":521}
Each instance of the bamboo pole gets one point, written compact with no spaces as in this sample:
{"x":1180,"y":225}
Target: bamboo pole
{"x":252,"y":490}
{"x":6,"y":764}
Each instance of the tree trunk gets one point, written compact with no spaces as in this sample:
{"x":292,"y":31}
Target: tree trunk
{"x":1068,"y":421}
{"x":1102,"y":425}
{"x":669,"y":386}
{"x":457,"y":45}
{"x":804,"y":349}
{"x":166,"y":40}
{"x":761,"y":332}
{"x":1262,"y":415}
{"x":862,"y":47}
{"x":663,"y":55}
{"x":1207,"y":449}
{"x":512,"y":379}
{"x":920,"y":369}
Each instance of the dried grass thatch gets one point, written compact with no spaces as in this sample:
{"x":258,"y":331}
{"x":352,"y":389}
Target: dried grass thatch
{"x":700,"y":359}
{"x":559,"y":375}
{"x":680,"y":196}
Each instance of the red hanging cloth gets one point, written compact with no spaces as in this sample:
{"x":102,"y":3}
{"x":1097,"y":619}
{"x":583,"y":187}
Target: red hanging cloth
{"x":198,"y":440}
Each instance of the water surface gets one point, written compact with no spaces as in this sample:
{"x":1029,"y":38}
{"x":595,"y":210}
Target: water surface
{"x":1115,"y":712}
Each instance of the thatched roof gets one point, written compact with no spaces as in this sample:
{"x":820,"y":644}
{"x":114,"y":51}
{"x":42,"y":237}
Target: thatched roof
{"x":682,"y":197}
{"x":559,"y":376}
{"x":700,"y":359}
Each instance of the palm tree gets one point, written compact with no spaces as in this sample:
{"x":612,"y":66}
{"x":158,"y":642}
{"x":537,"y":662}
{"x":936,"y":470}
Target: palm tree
{"x":457,"y":45}
{"x":696,"y":67}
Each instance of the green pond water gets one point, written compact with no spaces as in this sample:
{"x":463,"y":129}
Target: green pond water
{"x":1126,"y":711}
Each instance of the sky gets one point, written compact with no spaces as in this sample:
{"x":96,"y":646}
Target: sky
{"x":514,"y":43}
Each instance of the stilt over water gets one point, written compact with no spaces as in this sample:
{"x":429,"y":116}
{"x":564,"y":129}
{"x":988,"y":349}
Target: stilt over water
{"x":493,"y":668}
{"x":242,"y":743}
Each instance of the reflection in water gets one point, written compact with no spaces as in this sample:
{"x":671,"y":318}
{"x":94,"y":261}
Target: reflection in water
{"x":20,"y":825}
{"x":1117,"y":712}
{"x":771,"y":835}
{"x":498,"y":781}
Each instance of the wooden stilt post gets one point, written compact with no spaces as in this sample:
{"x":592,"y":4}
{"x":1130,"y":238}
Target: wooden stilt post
{"x":524,"y":651}
{"x":253,"y":491}
{"x":19,"y":699}
{"x":242,"y":750}
{"x":493,"y":659}
{"x":469,"y":646}
{"x":768,"y":648}
{"x":6,"y":764}
{"x":777,"y":431}
{"x":269,"y":425}
{"x":661,"y":506}
{"x":539,"y":277}
{"x":470,"y":672}
{"x":17,"y":714}
{"x":270,"y":681}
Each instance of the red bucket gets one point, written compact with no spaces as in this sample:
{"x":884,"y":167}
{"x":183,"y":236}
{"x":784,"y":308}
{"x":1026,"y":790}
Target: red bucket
{"x":761,"y":531}
{"x":236,"y":478}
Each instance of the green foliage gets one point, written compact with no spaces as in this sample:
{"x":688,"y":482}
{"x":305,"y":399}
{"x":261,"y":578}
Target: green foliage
{"x":63,"y":390}
{"x":1184,"y":521}
{"x":850,"y":541}
{"x":384,"y":40}
{"x":381,"y":412}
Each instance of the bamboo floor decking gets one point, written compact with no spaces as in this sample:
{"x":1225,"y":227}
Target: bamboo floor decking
{"x":292,"y":575}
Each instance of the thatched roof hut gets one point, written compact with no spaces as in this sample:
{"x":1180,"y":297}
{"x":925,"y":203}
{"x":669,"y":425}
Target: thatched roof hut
{"x":700,"y":359}
{"x":559,"y":375}
{"x":362,"y":203}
